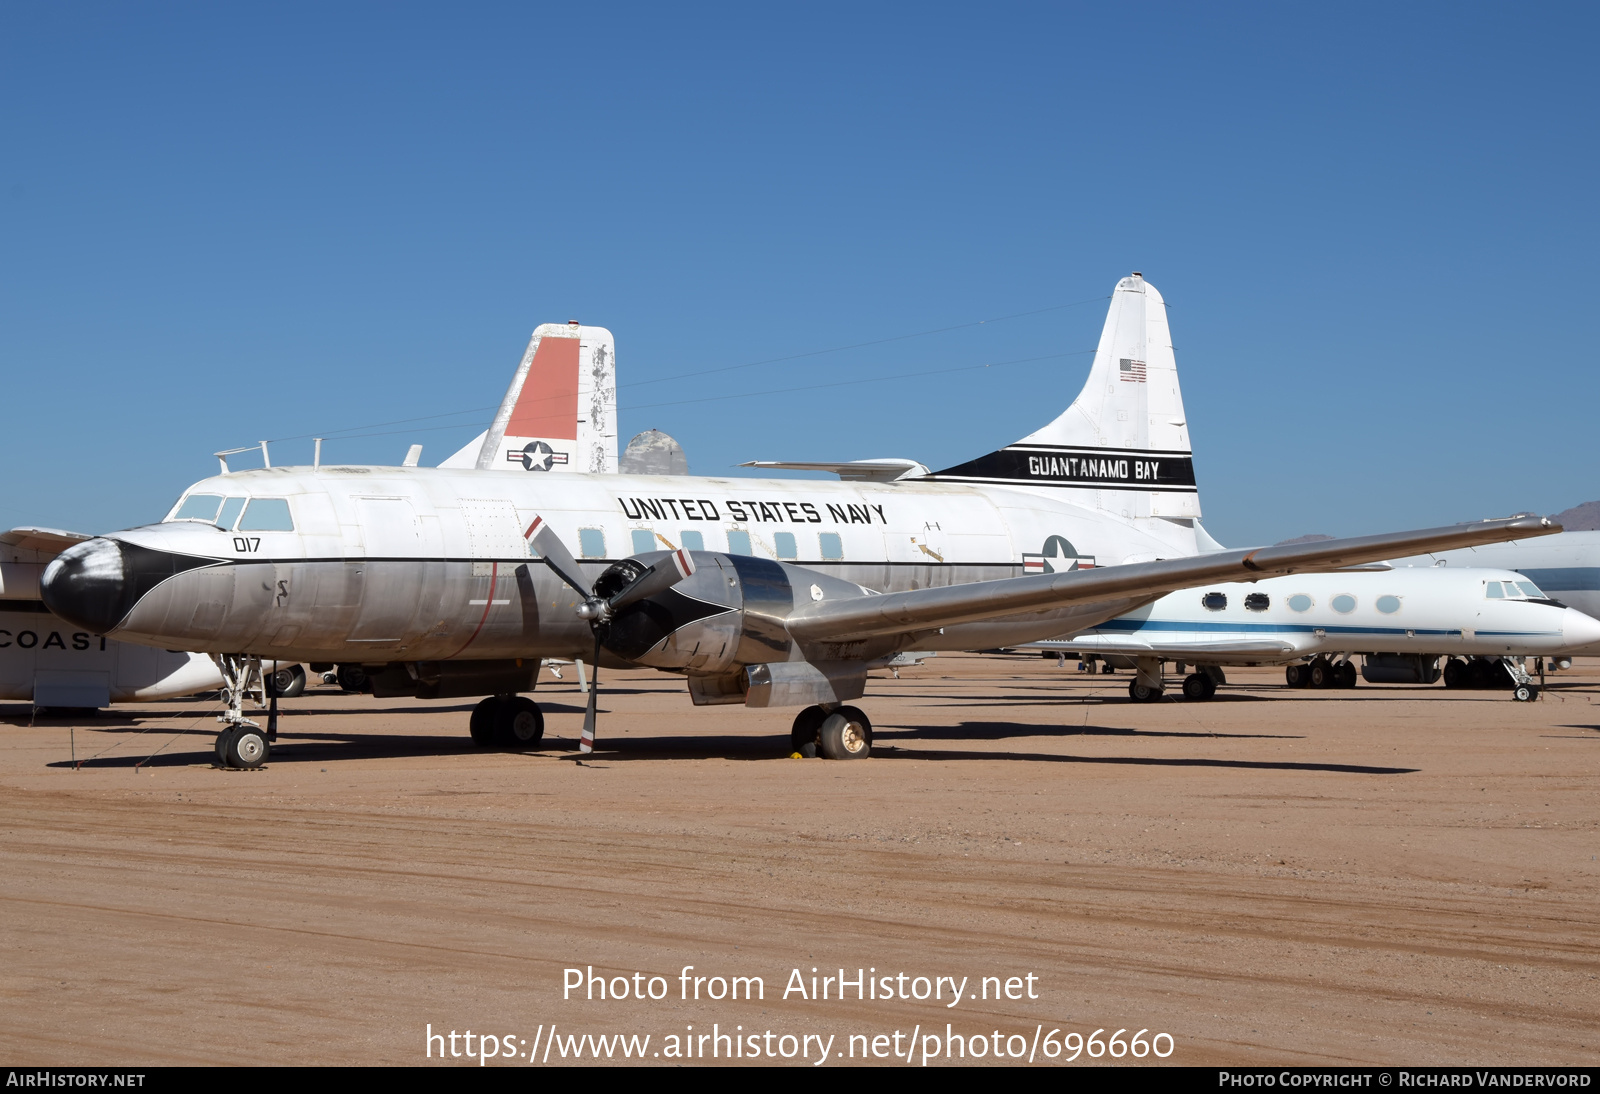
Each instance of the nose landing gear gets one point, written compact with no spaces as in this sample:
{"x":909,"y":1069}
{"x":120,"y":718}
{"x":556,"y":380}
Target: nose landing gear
{"x":242,"y":743}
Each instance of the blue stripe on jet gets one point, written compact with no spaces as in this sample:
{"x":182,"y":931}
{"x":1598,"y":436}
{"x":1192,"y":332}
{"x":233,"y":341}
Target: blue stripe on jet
{"x":1133,"y":626}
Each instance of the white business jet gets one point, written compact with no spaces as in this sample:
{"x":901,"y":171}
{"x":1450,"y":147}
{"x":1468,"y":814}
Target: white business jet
{"x":1401,"y":620}
{"x":447,"y":582}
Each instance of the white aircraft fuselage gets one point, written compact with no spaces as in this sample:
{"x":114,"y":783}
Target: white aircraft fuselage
{"x":1424,"y":611}
{"x":420,"y":564}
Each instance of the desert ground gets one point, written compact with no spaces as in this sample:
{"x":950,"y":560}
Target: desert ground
{"x":1385,"y":875}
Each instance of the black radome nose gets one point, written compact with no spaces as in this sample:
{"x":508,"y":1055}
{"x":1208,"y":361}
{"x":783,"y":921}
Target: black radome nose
{"x":86,"y":585}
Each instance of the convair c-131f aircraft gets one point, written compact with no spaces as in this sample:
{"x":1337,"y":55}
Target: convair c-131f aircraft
{"x":450,"y":582}
{"x":1402,"y":620}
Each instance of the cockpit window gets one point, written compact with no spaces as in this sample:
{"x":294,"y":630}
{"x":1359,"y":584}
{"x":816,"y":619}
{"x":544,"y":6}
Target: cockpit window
{"x":1491,"y":590}
{"x":267,"y":515}
{"x":1530,"y":590}
{"x":230,"y":513}
{"x":198,"y":507}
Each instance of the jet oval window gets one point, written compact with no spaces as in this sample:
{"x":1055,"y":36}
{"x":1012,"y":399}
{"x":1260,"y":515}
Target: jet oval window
{"x":267,"y":515}
{"x":1214,"y":602}
{"x":199,"y":507}
{"x":1300,"y":602}
{"x":1257,"y":602}
{"x":1388,"y":605}
{"x":1344,"y":603}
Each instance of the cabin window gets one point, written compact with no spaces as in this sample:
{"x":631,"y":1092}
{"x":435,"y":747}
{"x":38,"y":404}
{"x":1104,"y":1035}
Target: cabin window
{"x":1300,"y":602}
{"x":1388,"y":605}
{"x":739,"y":542}
{"x":1214,"y":602}
{"x":267,"y":515}
{"x":592,"y":542}
{"x":643,"y":540}
{"x":693,"y":540}
{"x":230,"y":513}
{"x":832,"y":546}
{"x":198,"y":507}
{"x":1344,"y":603}
{"x":784,"y":541}
{"x":1257,"y":602}
{"x":1492,"y":590}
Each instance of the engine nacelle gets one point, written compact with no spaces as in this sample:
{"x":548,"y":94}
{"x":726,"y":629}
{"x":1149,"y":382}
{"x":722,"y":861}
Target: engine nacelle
{"x":730,"y":613}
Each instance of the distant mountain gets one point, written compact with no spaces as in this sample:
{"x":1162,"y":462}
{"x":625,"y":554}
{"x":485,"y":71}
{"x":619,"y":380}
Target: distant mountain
{"x":1581,"y":518}
{"x":1312,"y":538}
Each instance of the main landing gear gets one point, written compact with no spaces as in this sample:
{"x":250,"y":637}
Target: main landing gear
{"x":242,"y":743}
{"x":1321,"y":673}
{"x":507,"y":721}
{"x":836,"y":732}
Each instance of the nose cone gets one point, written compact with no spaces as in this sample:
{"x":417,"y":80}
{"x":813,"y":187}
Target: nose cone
{"x":1579,"y":629}
{"x":87,"y":585}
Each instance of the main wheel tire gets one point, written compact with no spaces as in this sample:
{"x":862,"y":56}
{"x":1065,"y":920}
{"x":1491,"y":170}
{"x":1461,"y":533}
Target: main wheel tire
{"x":247,"y":747}
{"x":1197,"y":685}
{"x":1347,"y":674}
{"x":352,"y":678}
{"x":222,"y":746}
{"x":1524,"y":693}
{"x":1142,"y":693}
{"x":519,"y":723}
{"x":845,"y":735}
{"x":481,"y":724}
{"x":290,"y":682}
{"x":1456,"y":674}
{"x":1294,"y":675}
{"x":806,"y":731}
{"x":1321,"y":674}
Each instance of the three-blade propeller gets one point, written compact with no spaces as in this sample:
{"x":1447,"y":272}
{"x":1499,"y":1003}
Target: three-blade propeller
{"x":598,"y":609}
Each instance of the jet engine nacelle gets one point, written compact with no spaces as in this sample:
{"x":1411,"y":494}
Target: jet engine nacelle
{"x":728,"y":616}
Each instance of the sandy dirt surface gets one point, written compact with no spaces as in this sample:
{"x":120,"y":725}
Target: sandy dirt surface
{"x":1384,"y":875}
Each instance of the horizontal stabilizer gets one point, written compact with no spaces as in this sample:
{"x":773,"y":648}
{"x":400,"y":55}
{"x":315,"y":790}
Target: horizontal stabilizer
{"x":884,"y":470}
{"x":46,"y":541}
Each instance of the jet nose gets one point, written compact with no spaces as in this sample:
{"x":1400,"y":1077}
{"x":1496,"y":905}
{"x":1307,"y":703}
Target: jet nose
{"x":87,"y":585}
{"x":1579,"y":629}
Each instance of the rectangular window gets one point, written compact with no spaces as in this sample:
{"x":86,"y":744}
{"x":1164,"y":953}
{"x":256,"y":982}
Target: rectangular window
{"x":230,"y":513}
{"x":592,"y":542}
{"x":739,"y":542}
{"x":644,"y":540}
{"x":693,"y":541}
{"x":267,"y":515}
{"x":1492,"y":591}
{"x":832,"y":545}
{"x":785,"y":544}
{"x":198,"y":507}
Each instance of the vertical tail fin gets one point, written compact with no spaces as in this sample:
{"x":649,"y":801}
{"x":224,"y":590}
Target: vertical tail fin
{"x":560,"y":411}
{"x":1123,"y":444}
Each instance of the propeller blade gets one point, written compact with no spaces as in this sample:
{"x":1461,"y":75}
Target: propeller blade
{"x":658,"y":578}
{"x":556,"y":555}
{"x":586,"y":742}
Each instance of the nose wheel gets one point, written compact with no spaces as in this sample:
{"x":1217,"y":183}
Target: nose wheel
{"x":242,"y":744}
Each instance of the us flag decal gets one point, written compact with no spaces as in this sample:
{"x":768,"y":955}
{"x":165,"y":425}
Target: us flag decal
{"x":1132,"y":371}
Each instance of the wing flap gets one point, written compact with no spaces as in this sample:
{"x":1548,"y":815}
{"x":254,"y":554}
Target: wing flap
{"x":1171,"y":650}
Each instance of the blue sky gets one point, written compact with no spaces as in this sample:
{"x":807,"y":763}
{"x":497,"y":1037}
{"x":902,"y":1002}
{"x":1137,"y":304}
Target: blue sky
{"x":1374,"y":225}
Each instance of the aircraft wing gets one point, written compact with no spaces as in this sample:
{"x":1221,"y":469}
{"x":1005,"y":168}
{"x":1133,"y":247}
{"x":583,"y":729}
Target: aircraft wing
{"x":923,"y":610}
{"x":46,"y":541}
{"x":1266,"y":649}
